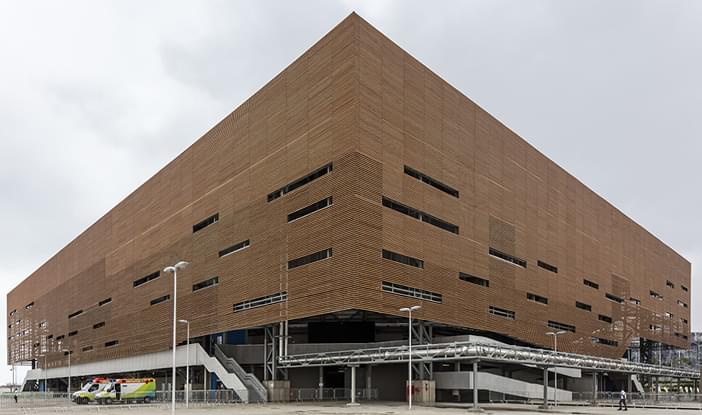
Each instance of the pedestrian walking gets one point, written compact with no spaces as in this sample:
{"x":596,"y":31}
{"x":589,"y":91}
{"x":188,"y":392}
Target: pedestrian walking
{"x":622,"y":400}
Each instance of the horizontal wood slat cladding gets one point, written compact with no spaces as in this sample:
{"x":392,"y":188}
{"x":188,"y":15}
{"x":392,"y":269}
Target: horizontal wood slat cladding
{"x":356,"y":100}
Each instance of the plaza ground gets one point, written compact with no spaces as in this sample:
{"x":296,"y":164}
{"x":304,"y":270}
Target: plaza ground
{"x":335,"y":408}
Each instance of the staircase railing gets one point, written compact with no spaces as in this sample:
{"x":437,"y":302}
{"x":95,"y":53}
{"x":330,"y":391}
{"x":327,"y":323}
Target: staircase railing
{"x":250,"y":380}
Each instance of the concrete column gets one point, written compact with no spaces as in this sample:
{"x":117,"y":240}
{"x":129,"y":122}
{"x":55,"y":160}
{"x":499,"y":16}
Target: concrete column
{"x":321,"y":383}
{"x":545,"y":388}
{"x":369,"y":388}
{"x":206,"y":382}
{"x":655,"y":389}
{"x":475,"y":385}
{"x":594,"y":388}
{"x":353,"y":386}
{"x":628,"y":386}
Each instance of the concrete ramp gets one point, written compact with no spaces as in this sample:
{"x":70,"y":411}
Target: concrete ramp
{"x":497,"y":383}
{"x":145,"y":362}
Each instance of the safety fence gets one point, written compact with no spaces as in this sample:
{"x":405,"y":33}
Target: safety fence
{"x":28,"y":400}
{"x":636,"y":399}
{"x":331,"y":394}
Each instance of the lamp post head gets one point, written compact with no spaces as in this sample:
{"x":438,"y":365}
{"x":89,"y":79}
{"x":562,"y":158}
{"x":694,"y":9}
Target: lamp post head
{"x":184,"y":321}
{"x":556,"y":333}
{"x":179,"y":265}
{"x":413,"y":308}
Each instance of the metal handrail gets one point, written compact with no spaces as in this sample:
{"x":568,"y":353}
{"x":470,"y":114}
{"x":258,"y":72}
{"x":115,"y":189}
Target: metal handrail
{"x":248,"y":378}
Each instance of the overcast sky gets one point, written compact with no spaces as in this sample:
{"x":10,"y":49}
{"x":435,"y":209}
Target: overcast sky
{"x":97,"y":96}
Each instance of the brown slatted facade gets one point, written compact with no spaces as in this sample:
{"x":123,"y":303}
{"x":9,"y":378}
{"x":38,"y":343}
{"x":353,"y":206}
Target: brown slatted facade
{"x":355,"y":99}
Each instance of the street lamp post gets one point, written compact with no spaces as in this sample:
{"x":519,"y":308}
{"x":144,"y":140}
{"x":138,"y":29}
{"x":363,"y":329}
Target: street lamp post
{"x":555,"y":335}
{"x":409,"y":310}
{"x":187,"y":364}
{"x":174,"y":269}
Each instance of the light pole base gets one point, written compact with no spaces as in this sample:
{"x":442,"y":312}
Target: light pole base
{"x":476,"y":410}
{"x":353,"y":404}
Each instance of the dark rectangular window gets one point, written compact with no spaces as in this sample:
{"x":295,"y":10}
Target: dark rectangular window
{"x":537,"y":298}
{"x":205,"y":223}
{"x":635,"y":301}
{"x":606,"y":342}
{"x":501,"y":312}
{"x":683,"y":320}
{"x":86,"y":349}
{"x":411,"y":292}
{"x":60,"y":337}
{"x":655,"y":295}
{"x":49,"y":337}
{"x":300,"y":182}
{"x":655,"y":327}
{"x":98,"y":325}
{"x":591,"y":284}
{"x":12,"y":313}
{"x":73,"y":333}
{"x":606,"y":319}
{"x":29,"y":306}
{"x":160,"y":299}
{"x":583,"y":306}
{"x":75,"y":313}
{"x":310,"y":209}
{"x":261,"y":301}
{"x":430,"y":181}
{"x":669,"y":284}
{"x":507,"y":257}
{"x":105,"y":301}
{"x":207,"y":283}
{"x":614,"y":298}
{"x":547,"y":266}
{"x":684,"y":288}
{"x":682,"y":304}
{"x":307,"y":259}
{"x":234,"y":248}
{"x":561,"y":326}
{"x":419,"y":215}
{"x":144,"y":280}
{"x":112,"y":343}
{"x":403,"y":259}
{"x":473,"y":279}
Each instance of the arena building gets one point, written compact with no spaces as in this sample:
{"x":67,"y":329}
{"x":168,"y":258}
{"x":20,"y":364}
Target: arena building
{"x":355,"y":183}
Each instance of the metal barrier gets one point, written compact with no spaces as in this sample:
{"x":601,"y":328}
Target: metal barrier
{"x":30,"y":400}
{"x":634,"y":399}
{"x":331,"y":394}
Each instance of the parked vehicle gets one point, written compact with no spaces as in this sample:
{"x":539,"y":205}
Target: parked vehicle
{"x":87,"y":393}
{"x":128,"y":390}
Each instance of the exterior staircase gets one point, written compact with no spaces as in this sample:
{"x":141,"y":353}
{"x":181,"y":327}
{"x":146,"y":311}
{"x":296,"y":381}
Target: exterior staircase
{"x":257,"y":392}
